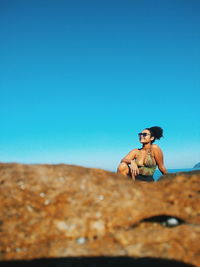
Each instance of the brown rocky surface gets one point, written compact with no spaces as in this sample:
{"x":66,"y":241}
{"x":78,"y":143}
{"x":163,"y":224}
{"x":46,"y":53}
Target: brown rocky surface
{"x":54,"y":211}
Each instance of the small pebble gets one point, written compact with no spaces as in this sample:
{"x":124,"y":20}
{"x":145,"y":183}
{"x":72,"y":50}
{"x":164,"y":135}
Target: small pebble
{"x":101,"y":197}
{"x":21,"y":184}
{"x":29,"y":208}
{"x":172,"y":222}
{"x":61,"y":179}
{"x":61,"y":225}
{"x":81,"y":240}
{"x":47,"y":202}
{"x":22,"y":187}
{"x":42,"y":194}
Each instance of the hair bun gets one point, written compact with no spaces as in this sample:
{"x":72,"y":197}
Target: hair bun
{"x":156,"y":131}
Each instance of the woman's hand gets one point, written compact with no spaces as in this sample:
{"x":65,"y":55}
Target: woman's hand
{"x":134,"y":169}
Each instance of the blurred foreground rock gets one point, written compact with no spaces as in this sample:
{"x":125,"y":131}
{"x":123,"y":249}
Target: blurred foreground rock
{"x":53,"y":211}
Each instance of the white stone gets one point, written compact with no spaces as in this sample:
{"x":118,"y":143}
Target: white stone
{"x":81,"y":240}
{"x":47,"y":202}
{"x":29,"y":208}
{"x":22,"y":186}
{"x":61,"y":179}
{"x":42,"y":194}
{"x":62,"y":226}
{"x":99,"y":226}
{"x":172,"y":222}
{"x":101,"y":197}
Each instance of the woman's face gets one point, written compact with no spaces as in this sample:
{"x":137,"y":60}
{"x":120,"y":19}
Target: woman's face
{"x":145,"y":137}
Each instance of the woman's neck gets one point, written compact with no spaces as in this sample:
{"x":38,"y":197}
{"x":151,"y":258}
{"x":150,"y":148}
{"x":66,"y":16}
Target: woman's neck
{"x":146,"y":146}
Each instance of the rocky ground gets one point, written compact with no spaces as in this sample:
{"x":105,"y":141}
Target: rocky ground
{"x":83,"y":216}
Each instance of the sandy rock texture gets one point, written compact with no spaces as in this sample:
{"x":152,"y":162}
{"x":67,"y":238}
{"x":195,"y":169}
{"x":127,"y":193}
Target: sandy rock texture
{"x":53,"y":211}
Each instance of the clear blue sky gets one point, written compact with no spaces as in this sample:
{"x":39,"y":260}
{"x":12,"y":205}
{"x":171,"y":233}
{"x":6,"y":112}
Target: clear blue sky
{"x":79,"y":79}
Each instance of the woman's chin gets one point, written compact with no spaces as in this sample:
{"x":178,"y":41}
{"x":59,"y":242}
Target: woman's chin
{"x":143,"y":142}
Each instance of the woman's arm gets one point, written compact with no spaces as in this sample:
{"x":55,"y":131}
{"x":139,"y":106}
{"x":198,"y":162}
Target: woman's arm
{"x":158,"y":155}
{"x":129,"y":157}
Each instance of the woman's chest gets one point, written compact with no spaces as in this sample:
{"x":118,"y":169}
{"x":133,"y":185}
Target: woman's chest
{"x":145,"y":158}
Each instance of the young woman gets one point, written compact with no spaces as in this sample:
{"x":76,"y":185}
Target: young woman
{"x":140,"y":164}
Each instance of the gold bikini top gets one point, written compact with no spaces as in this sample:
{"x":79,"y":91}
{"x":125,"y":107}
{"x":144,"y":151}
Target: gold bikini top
{"x":147,"y":164}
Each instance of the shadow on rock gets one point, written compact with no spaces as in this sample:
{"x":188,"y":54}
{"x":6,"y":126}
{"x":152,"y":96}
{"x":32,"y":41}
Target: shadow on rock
{"x":96,"y":262}
{"x":174,"y":175}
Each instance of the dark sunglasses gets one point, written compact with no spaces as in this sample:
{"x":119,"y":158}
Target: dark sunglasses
{"x":143,"y":134}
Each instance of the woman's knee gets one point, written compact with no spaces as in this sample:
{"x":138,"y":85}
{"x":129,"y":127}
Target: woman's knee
{"x":123,"y":168}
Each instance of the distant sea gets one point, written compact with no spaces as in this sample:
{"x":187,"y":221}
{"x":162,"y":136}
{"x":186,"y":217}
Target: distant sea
{"x":157,"y":173}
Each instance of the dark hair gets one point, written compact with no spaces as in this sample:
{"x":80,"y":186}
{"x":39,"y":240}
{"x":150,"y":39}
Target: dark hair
{"x":156,"y":132}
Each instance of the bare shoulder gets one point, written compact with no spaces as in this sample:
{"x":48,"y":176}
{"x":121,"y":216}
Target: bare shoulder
{"x":132,"y":154}
{"x":134,"y":151}
{"x":156,"y":148}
